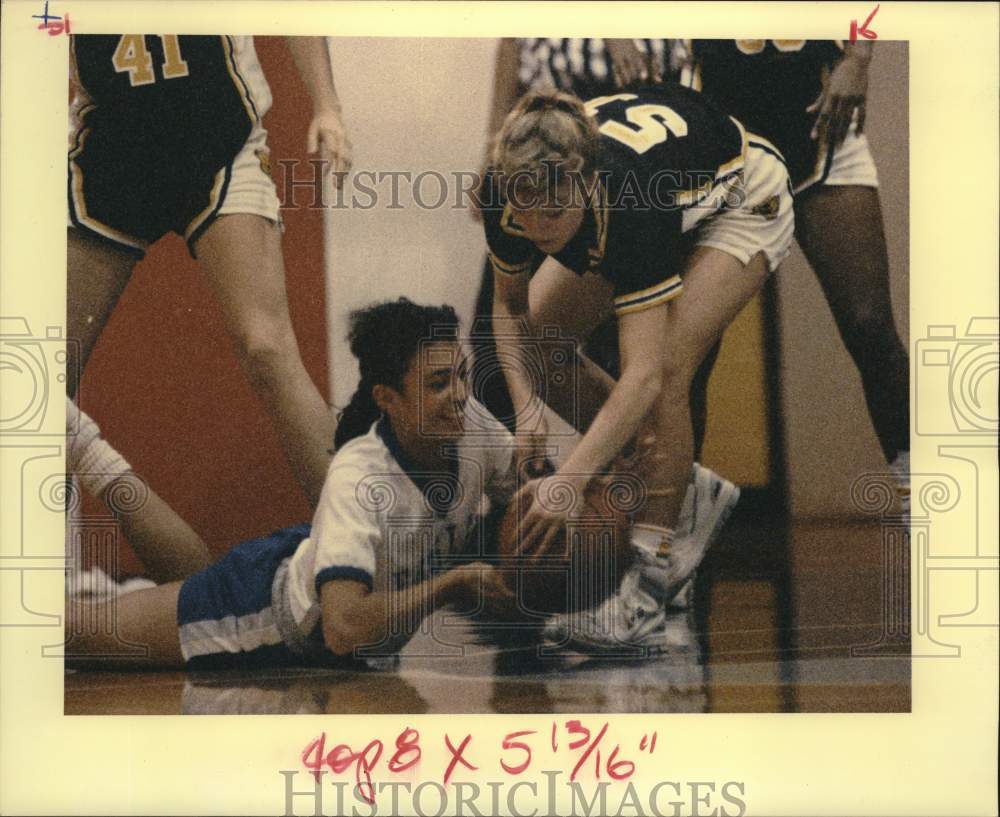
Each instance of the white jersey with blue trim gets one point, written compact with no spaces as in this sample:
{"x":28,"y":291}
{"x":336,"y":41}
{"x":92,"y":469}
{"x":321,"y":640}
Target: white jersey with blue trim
{"x":383,"y":523}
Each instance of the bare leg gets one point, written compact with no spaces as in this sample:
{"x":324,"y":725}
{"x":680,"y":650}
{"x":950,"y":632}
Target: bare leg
{"x":167,"y":546}
{"x":489,"y":386}
{"x":716,"y":287}
{"x":96,"y":275}
{"x":241,"y":255}
{"x":575,"y":305}
{"x":591,"y":317}
{"x":840,"y":232}
{"x":699,"y":398}
{"x":145,"y":617}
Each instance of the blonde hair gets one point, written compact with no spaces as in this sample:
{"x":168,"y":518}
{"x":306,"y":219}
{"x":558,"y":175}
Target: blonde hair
{"x":547,"y":135}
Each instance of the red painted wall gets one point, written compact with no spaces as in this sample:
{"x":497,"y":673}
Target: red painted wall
{"x":164,"y":383}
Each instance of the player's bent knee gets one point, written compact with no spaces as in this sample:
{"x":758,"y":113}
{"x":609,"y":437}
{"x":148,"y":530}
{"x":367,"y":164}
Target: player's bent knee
{"x":869,"y":330}
{"x":266,"y":352}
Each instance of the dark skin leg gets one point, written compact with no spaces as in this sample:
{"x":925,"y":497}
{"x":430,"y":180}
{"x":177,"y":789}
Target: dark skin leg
{"x":852,"y":266}
{"x":840,"y":231}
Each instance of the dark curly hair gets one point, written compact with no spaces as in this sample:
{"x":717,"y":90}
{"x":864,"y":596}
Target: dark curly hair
{"x":384,"y":337}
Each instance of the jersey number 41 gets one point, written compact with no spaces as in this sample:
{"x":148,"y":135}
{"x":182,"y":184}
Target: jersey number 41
{"x":132,"y":55}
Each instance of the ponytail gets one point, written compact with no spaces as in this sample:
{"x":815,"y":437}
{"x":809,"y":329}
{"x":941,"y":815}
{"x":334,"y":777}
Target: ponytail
{"x":546,"y":129}
{"x":384,"y":338}
{"x":357,"y":416}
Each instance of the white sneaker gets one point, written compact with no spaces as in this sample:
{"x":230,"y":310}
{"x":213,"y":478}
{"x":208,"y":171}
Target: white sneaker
{"x":96,"y":585}
{"x":634,"y":616}
{"x":685,"y":525}
{"x":707,"y":506}
{"x":714,"y":500}
{"x":630,"y":618}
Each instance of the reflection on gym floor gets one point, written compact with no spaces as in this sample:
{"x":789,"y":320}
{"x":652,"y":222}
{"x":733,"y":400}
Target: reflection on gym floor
{"x":783,"y":621}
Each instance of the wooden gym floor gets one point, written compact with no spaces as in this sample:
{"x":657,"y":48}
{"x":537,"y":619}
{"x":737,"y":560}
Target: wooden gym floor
{"x":785,"y":620}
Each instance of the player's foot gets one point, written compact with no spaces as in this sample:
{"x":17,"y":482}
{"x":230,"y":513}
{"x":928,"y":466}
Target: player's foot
{"x":715,"y":499}
{"x":712,"y":500}
{"x":672,"y":682}
{"x":635,"y":614}
{"x":632,"y":617}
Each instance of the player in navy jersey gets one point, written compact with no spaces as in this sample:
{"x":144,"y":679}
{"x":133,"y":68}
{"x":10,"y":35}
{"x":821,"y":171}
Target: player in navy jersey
{"x":660,"y":207}
{"x":585,"y":67}
{"x":809,"y":98}
{"x":391,"y":539}
{"x":167,"y":135}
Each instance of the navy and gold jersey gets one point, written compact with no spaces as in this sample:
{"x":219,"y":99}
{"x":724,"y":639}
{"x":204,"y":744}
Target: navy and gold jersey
{"x":667,"y":160}
{"x":156,"y":124}
{"x":768,"y":85}
{"x":171,"y":90}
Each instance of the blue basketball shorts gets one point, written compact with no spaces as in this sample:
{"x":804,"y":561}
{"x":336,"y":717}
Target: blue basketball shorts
{"x":228,"y":614}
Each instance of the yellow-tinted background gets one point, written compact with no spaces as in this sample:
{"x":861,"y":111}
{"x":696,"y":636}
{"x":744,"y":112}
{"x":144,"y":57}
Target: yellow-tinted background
{"x":939,"y":760}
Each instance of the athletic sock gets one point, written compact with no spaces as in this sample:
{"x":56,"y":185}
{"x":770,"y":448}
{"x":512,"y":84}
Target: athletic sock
{"x":90,"y":456}
{"x":652,"y":539}
{"x":900,"y":468}
{"x":654,"y":543}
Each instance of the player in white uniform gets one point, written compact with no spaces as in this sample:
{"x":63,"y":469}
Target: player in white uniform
{"x":401,"y":499}
{"x":167,"y":136}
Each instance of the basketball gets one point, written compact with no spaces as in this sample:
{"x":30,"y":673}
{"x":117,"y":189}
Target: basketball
{"x":586,"y":562}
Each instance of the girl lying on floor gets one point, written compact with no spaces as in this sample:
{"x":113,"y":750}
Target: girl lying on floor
{"x":415,"y":457}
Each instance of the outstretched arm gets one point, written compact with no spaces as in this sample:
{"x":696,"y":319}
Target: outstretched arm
{"x":506,"y":84}
{"x":641,"y":338}
{"x":353,"y":617}
{"x":327,"y":134}
{"x":511,"y":331}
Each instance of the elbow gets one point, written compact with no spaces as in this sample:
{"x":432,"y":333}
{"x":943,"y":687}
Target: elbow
{"x":345,"y":616}
{"x":340,"y":639}
{"x":339,"y":645}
